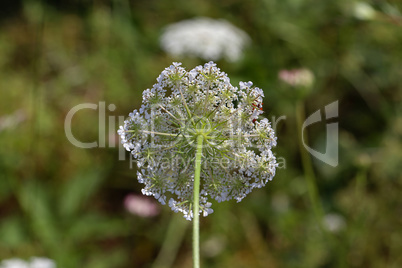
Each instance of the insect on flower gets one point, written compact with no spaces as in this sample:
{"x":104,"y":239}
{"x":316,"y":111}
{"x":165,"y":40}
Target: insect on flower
{"x":256,"y":105}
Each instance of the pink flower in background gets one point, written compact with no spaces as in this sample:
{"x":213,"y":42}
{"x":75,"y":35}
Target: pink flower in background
{"x":141,"y":205}
{"x":297,"y":77}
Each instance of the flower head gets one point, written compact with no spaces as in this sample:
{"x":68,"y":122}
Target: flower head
{"x":205,"y":38}
{"x":180,"y":107}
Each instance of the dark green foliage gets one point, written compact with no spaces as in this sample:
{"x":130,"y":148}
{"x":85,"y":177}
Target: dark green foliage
{"x":66,"y":203}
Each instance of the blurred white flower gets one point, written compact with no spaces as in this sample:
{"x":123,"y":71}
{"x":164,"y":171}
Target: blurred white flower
{"x":14,"y":263}
{"x":363,"y":11}
{"x":12,"y":120}
{"x":205,"y":38}
{"x":141,"y":205}
{"x":213,"y":246}
{"x":334,"y":222}
{"x":297,"y":77}
{"x":36,"y":262}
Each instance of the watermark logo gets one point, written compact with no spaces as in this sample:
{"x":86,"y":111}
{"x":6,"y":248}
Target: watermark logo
{"x":107,"y":126}
{"x":330,"y":156}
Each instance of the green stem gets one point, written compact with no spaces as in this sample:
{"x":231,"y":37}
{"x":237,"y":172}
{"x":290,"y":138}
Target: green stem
{"x":174,"y":237}
{"x":312,"y":185}
{"x":308,"y":166}
{"x":196,"y":203}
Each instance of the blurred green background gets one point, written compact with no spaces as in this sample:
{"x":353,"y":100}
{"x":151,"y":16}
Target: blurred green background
{"x":66,"y":203}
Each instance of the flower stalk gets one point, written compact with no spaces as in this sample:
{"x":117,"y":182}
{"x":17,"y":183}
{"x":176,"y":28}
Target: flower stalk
{"x":200,"y":113}
{"x":196,"y":206}
{"x":308,"y":166}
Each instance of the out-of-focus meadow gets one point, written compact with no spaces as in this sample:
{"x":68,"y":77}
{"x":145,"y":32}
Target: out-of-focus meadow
{"x":67,"y":203}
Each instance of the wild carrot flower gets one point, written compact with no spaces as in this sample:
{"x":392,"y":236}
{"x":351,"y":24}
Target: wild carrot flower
{"x":179,"y":109}
{"x":206,"y":38}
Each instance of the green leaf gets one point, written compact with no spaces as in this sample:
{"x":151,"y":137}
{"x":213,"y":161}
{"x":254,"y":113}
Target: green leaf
{"x":78,"y":191}
{"x":34,"y":200}
{"x":94,"y":226}
{"x":12,"y":232}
